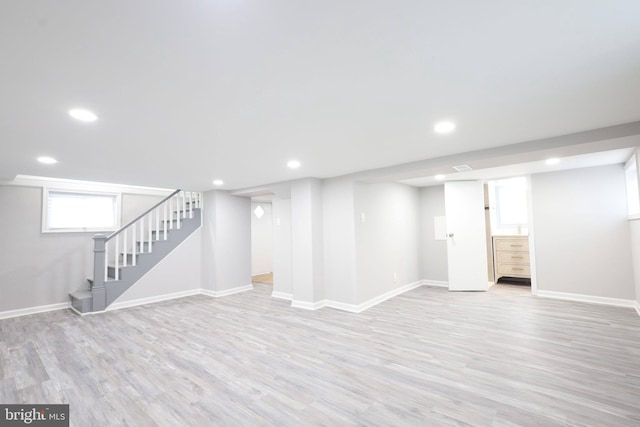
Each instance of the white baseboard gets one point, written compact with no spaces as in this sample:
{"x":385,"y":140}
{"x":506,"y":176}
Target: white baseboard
{"x":33,"y":310}
{"x":388,"y":295}
{"x":355,"y":308}
{"x":351,"y":308}
{"x":281,"y":295}
{"x":260,"y":274}
{"x":359,"y":308}
{"x":226,"y":292}
{"x":617,"y":302}
{"x":436,"y":283}
{"x":308,"y":305}
{"x":150,"y":300}
{"x":638,"y":308}
{"x":124,"y":304}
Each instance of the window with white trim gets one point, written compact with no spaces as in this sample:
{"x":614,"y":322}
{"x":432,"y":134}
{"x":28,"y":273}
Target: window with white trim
{"x":79,"y":211}
{"x":508,"y":201}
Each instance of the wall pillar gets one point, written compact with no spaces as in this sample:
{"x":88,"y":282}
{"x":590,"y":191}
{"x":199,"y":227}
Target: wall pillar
{"x":226,"y":242}
{"x":307,"y":243}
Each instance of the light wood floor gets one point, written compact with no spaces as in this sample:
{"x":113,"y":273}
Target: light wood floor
{"x":263,"y":278}
{"x":425,"y":358}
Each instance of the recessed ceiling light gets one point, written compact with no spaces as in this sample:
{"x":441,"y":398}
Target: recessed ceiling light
{"x":439,"y":177}
{"x":218,"y":182}
{"x":83,"y":115}
{"x":444,"y":127}
{"x":293,"y":164}
{"x":553,"y":161}
{"x":47,"y":160}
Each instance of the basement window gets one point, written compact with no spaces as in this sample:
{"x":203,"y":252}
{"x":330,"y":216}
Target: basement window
{"x":78,"y":211}
{"x":508,"y":197}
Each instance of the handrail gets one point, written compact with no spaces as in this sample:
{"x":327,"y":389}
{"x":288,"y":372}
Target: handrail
{"x":115,"y":233}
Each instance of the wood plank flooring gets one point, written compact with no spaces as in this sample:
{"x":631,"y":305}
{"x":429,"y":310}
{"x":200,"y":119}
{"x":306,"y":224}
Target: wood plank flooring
{"x":425,"y":358}
{"x":263,"y":278}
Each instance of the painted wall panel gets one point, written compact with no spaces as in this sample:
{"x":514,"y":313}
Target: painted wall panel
{"x":307,"y":241}
{"x":582,"y":236}
{"x":386,"y":237}
{"x":432,"y":252}
{"x":339,"y":241}
{"x":226,"y":241}
{"x":282,"y":261}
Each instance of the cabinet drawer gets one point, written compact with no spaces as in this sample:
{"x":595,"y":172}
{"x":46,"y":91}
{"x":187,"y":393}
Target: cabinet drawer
{"x":514,"y":270}
{"x":520,"y":245}
{"x":512,"y":257}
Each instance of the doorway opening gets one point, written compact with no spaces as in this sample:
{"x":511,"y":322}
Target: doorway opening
{"x":506,"y":211}
{"x":262,"y":240}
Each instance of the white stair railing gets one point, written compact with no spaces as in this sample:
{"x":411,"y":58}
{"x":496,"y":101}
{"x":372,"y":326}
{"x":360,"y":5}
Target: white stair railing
{"x":123,"y":247}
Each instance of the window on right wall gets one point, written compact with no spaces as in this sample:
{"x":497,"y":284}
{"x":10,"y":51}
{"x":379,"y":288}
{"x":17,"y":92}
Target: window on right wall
{"x":508,"y":201}
{"x":631,"y":176}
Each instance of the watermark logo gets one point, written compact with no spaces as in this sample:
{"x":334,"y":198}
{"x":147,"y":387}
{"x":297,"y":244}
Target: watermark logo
{"x":34,"y":415}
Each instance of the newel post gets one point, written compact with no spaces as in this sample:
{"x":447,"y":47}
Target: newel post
{"x":98,"y":291}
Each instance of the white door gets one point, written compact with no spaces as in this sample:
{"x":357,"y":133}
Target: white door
{"x":466,"y":243}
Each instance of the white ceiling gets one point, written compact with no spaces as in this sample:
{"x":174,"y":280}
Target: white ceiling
{"x":191,"y":91}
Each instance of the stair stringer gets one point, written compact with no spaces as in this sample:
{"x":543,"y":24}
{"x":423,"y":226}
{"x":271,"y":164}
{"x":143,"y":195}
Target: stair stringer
{"x":146,"y":261}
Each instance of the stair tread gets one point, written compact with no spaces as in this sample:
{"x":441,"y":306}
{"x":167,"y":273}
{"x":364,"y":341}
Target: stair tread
{"x":82,"y":294}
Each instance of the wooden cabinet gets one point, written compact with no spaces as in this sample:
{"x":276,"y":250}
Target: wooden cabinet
{"x":511,"y":257}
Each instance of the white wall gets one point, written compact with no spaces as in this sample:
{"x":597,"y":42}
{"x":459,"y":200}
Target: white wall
{"x":387,"y":239}
{"x":307,"y":241}
{"x":635,"y":251}
{"x":226,"y":241}
{"x":339,"y":241}
{"x":634,"y":226}
{"x":282,"y":256}
{"x":432,"y":253}
{"x":134,"y":204}
{"x":582,"y":236}
{"x":261,"y":240}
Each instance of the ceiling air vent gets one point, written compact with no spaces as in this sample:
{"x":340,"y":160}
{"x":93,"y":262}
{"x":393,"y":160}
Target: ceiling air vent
{"x":462,"y":168}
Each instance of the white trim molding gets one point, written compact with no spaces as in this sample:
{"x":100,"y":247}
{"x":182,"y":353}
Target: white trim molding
{"x":281,"y":295}
{"x":33,"y":310}
{"x":436,"y":283}
{"x":351,"y":308}
{"x":616,"y":302}
{"x":226,"y":292}
{"x":150,"y":300}
{"x":73,"y":184}
{"x":388,"y":295}
{"x":124,"y":304}
{"x":308,"y":305}
{"x":637,"y":307}
{"x":359,"y":308}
